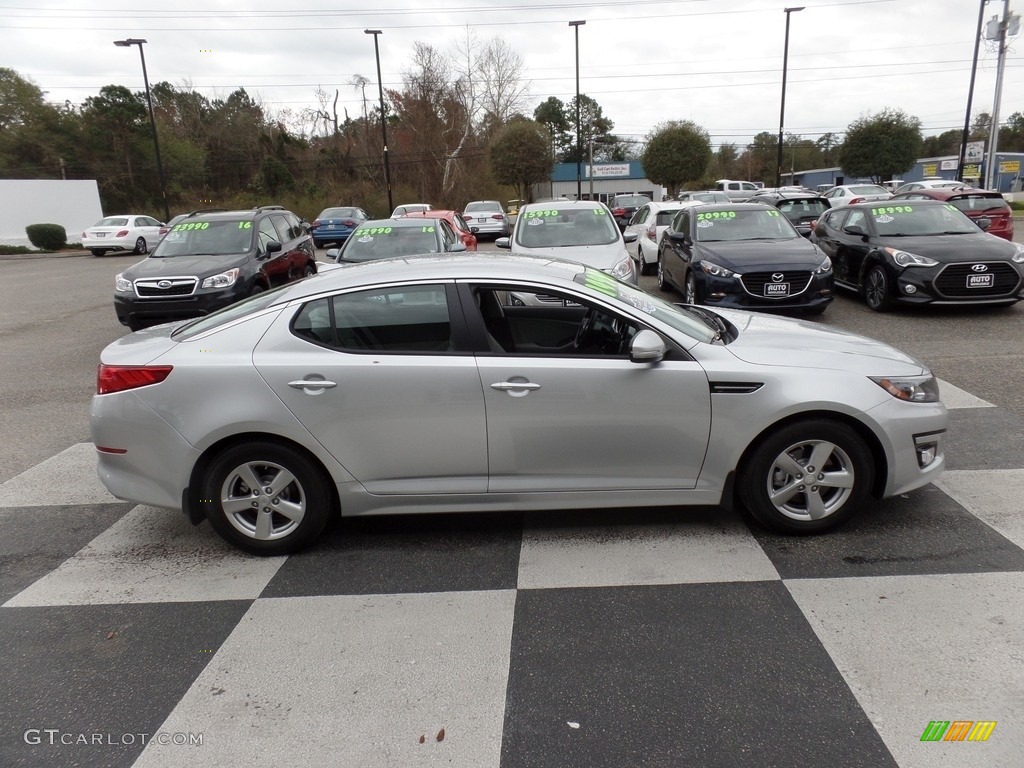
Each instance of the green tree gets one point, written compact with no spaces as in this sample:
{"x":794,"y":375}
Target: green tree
{"x":521,"y":156}
{"x":677,"y":152}
{"x":552,"y":114}
{"x":882,"y":146}
{"x":946,"y":143}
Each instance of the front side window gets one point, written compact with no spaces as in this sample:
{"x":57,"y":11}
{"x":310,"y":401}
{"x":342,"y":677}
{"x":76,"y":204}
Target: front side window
{"x":399,"y":319}
{"x":267,"y":233}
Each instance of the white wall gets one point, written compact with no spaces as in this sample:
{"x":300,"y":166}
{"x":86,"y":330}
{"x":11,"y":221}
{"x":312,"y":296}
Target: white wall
{"x":74,"y":205}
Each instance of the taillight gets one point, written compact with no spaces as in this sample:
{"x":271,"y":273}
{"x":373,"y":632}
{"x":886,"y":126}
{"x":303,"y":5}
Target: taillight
{"x":315,"y":224}
{"x":652,"y":233}
{"x":618,"y":211}
{"x":498,"y":216}
{"x":349,"y":223}
{"x":118,"y":378}
{"x":857,"y":200}
{"x":122,"y":233}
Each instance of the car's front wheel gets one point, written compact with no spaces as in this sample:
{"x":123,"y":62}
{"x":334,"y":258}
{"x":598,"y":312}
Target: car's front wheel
{"x":265,"y":498}
{"x":663,"y":283}
{"x":140,"y":247}
{"x":807,"y":477}
{"x":690,"y":294}
{"x":876,"y":289}
{"x":642,"y":266}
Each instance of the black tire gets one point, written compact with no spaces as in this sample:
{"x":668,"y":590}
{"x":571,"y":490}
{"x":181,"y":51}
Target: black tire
{"x":135,"y":325}
{"x":97,"y":252}
{"x":140,"y":247}
{"x":876,"y":289}
{"x":663,"y":284}
{"x":309,"y":271}
{"x":642,"y":267}
{"x":256,"y":288}
{"x":690,"y":295}
{"x":270,"y":527}
{"x":771,"y":467}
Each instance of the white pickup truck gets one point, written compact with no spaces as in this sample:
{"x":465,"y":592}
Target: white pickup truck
{"x":738,"y":191}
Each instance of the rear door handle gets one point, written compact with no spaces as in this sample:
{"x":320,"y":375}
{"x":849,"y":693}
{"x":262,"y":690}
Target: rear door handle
{"x":506,"y":386}
{"x":312,"y":384}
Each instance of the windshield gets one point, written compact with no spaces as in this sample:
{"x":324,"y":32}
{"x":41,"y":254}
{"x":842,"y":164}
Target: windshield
{"x":754,"y":224}
{"x":559,"y":227}
{"x":945,"y":219}
{"x":337,"y":213}
{"x":869,"y":189}
{"x":658,"y":308}
{"x":214,"y":238}
{"x":369,"y":243}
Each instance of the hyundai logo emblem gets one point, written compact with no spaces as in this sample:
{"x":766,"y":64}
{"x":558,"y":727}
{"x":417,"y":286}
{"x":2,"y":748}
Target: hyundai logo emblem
{"x":778,"y":277}
{"x":164,"y":284}
{"x":980,"y":268}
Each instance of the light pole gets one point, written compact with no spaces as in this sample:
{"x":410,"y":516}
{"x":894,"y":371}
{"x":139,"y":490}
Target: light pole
{"x":152,"y":120}
{"x":782,"y":110}
{"x":383,"y":119}
{"x":579,"y":136}
{"x":970,"y":95}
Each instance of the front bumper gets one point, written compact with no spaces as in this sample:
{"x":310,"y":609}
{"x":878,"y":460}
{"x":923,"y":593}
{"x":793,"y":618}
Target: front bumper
{"x":731,"y":293}
{"x":948,"y":284}
{"x":155,"y":310}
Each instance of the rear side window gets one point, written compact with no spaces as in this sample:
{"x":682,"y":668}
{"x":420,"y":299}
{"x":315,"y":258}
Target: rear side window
{"x":399,"y":319}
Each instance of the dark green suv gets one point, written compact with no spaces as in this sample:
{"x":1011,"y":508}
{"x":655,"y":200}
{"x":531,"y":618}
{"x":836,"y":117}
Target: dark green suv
{"x":208,"y":260}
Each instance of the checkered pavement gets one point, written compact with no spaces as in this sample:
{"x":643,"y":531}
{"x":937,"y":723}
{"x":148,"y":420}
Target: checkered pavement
{"x":674,"y":637}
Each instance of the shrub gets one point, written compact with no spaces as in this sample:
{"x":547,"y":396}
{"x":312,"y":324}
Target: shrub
{"x":47,"y":237}
{"x":11,"y":250}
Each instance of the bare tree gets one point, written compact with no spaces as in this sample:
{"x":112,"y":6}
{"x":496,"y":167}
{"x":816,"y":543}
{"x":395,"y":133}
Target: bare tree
{"x":504,"y":90}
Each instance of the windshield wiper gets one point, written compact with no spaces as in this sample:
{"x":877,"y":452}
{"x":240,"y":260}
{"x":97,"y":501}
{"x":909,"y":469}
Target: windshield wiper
{"x":713,"y":321}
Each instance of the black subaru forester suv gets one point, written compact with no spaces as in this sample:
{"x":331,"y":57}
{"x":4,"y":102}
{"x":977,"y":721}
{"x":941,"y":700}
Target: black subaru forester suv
{"x":209,"y":260}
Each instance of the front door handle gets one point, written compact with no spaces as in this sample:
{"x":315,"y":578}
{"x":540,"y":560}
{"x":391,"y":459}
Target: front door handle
{"x":312,"y":384}
{"x":514,"y":386}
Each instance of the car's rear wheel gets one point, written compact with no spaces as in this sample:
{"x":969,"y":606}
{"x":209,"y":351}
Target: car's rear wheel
{"x":265,"y":498}
{"x":256,"y":288}
{"x":309,"y":271}
{"x":97,"y":251}
{"x":876,"y":289}
{"x":807,"y":477}
{"x":140,"y":246}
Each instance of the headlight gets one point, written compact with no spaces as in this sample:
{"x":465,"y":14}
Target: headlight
{"x":913,"y":389}
{"x":714,"y":269}
{"x":1019,"y":255}
{"x":623,"y":269}
{"x":223,"y":280}
{"x":907,"y":259}
{"x":824,"y":268}
{"x":122,"y":285}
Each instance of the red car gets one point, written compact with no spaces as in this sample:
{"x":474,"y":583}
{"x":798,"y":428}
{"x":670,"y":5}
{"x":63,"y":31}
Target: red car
{"x":457,"y":222}
{"x":975,"y":203}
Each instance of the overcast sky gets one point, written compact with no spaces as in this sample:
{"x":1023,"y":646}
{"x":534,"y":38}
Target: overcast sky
{"x":716,"y":62}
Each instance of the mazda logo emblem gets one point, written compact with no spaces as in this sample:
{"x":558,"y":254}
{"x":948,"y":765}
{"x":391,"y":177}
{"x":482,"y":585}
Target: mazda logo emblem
{"x":980,"y":268}
{"x":778,"y":277}
{"x":164,"y":284}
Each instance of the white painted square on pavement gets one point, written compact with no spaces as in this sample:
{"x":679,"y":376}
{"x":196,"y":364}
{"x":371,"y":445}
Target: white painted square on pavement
{"x":352,"y":681}
{"x":65,"y":479}
{"x":993,"y":495}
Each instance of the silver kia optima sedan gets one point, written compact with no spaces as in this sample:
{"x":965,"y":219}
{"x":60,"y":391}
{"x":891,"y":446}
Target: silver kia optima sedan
{"x":418,"y":385}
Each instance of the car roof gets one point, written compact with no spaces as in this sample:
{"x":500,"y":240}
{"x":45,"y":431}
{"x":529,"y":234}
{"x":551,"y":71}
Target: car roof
{"x":566,"y":204}
{"x":727,"y":206}
{"x":242,"y":212}
{"x":436,"y":213}
{"x":399,"y":221}
{"x":944,"y":193}
{"x":436,"y":266}
{"x":890,"y":202}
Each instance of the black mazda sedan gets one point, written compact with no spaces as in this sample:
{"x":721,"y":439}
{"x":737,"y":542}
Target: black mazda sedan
{"x":919,"y":252}
{"x":744,"y":256}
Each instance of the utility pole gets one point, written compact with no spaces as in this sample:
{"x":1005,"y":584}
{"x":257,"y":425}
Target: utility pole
{"x":970,"y":94}
{"x":1010,"y":24}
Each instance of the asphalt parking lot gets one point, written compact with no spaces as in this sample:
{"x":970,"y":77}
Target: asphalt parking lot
{"x":627,"y":638}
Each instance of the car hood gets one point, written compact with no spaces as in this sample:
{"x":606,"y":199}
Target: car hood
{"x":596,"y":256}
{"x":974,"y":246}
{"x":766,"y":339}
{"x":200,"y":266}
{"x":761,"y":255}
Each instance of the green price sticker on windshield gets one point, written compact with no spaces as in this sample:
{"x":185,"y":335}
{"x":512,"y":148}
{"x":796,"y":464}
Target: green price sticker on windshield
{"x":891,"y":209}
{"x":367,"y":231}
{"x":716,"y":215}
{"x":192,"y":225}
{"x":539,"y":214}
{"x":773,"y":213}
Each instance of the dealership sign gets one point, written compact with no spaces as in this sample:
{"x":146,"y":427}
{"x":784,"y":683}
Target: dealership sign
{"x":617,"y":170}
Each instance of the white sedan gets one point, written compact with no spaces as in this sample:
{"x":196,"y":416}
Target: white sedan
{"x":127,"y":232}
{"x":649,"y":223}
{"x":856,"y":193}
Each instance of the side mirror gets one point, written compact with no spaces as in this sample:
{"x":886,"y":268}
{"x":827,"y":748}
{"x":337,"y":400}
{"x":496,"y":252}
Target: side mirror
{"x":332,"y":253}
{"x":630,"y":237}
{"x":984,"y":222}
{"x":503,"y":242}
{"x":458,"y":247}
{"x":855,"y":229}
{"x":647,"y":347}
{"x":272,"y":247}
